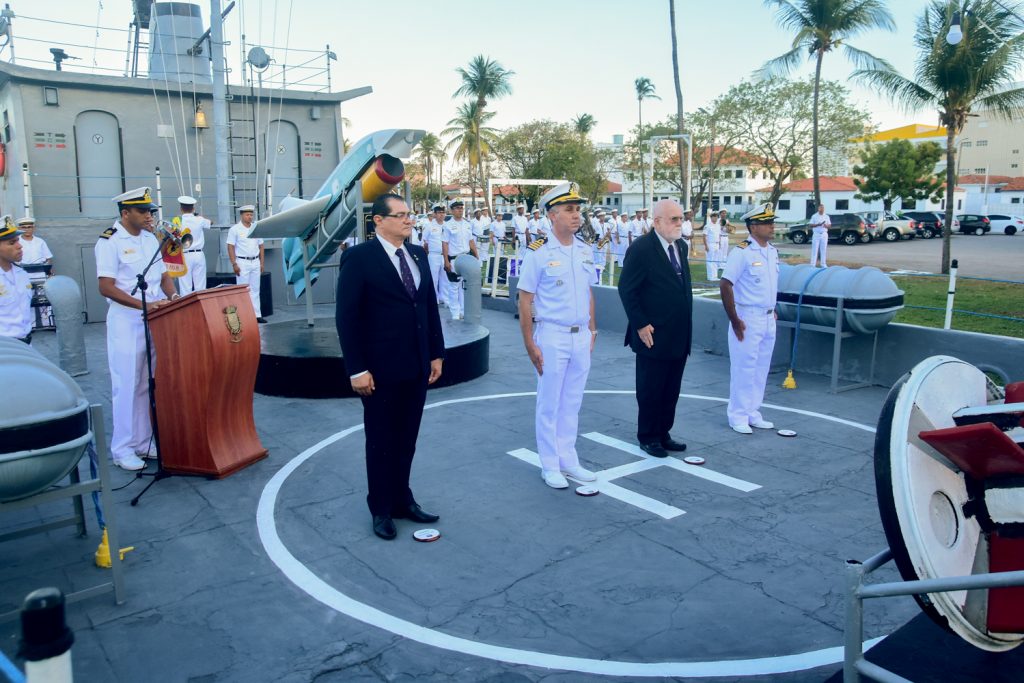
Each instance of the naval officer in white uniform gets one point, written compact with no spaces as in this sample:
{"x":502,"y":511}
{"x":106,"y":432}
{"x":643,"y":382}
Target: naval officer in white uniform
{"x":194,"y":280}
{"x":433,"y":233}
{"x":521,"y":224}
{"x":35,"y":251}
{"x":456,"y":240}
{"x":555,"y":281}
{"x":749,"y":287}
{"x":122,"y":253}
{"x":246,"y":256}
{"x":15,"y":286}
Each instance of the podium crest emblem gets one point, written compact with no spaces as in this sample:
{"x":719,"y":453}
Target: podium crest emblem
{"x":233,"y":323}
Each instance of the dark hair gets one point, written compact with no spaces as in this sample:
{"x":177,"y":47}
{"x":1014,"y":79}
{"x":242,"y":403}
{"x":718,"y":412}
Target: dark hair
{"x":381,"y":204}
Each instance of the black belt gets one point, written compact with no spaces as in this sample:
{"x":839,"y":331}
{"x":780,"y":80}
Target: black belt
{"x":199,"y":251}
{"x":249,"y":258}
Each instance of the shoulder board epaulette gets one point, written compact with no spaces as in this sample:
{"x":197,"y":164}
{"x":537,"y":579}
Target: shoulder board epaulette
{"x":105,"y":235}
{"x":582,"y":239}
{"x":537,"y":244}
{"x":743,"y":245}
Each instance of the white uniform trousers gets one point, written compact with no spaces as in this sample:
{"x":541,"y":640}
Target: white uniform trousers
{"x":195,"y":279}
{"x":455,"y":293}
{"x":129,"y":386}
{"x":436,"y":264}
{"x":249,"y":274}
{"x":749,"y":361}
{"x":712,"y":262}
{"x":560,"y":392}
{"x":819,"y":244}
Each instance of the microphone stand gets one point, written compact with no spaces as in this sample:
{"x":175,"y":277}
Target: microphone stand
{"x":141,"y":286}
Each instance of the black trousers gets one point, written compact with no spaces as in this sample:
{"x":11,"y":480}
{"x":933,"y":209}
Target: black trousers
{"x":657,"y":392}
{"x":391,"y":418}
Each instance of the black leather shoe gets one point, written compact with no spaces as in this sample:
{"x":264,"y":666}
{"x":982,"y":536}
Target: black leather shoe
{"x":671,"y":444}
{"x":654,"y":449}
{"x":416,"y":514}
{"x":261,"y":320}
{"x":384,"y":527}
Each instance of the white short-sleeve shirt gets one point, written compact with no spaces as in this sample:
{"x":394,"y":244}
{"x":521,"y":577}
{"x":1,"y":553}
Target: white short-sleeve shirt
{"x":458,"y":235}
{"x":122,"y":256}
{"x":245,"y":246}
{"x":559,"y":277}
{"x":753,"y":271}
{"x":15,"y":303}
{"x":34,"y":250}
{"x":432,"y":234}
{"x":197,"y":227}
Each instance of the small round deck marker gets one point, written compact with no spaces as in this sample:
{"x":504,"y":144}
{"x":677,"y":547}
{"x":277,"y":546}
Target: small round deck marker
{"x":786,"y":432}
{"x":426,"y":535}
{"x":587,"y":491}
{"x":693,"y":460}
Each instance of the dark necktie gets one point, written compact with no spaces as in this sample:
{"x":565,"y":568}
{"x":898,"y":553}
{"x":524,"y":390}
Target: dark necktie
{"x":674,"y":261}
{"x":410,"y":284}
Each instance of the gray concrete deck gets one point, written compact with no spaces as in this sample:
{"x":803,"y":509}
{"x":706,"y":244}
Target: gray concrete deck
{"x":273,"y":574}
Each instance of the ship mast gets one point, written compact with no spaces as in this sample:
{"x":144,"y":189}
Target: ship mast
{"x":225,"y":203}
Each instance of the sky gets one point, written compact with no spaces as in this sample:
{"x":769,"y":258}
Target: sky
{"x":569,"y":57}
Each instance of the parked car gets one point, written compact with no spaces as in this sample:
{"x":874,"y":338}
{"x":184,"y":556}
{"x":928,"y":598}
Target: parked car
{"x":972,"y":223}
{"x":871,"y":222}
{"x":927,"y":224}
{"x":889,"y":226}
{"x":1008,"y":225}
{"x":848,"y":228}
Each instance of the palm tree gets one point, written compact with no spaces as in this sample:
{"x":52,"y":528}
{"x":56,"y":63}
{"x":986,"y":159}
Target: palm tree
{"x":469,"y":139}
{"x":584,"y":123}
{"x":483,"y":79}
{"x":644,"y":91}
{"x":684,"y":187}
{"x":978,"y":71}
{"x":822,"y":26}
{"x":429,"y":150}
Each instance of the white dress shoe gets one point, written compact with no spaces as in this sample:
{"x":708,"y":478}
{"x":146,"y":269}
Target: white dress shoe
{"x":763,"y":424}
{"x":132,"y":463}
{"x":742,"y":429}
{"x":554,"y":479}
{"x":579,"y":473}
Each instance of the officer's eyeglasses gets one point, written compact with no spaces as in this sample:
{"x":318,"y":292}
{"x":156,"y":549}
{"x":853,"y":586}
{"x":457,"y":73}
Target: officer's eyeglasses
{"x":399,"y":216}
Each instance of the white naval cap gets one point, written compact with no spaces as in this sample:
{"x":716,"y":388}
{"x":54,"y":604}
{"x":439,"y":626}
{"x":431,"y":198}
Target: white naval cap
{"x":187,"y":200}
{"x":247,"y":207}
{"x":26,"y":220}
{"x":139,"y":197}
{"x":566,"y":193}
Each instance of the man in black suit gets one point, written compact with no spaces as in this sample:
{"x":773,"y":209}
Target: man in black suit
{"x":393,"y":347}
{"x":655,"y":290}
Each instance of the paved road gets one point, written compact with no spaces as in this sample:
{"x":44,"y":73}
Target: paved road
{"x":996,"y":256}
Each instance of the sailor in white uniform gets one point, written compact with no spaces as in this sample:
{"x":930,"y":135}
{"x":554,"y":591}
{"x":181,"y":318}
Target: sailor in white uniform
{"x":521,"y":223}
{"x":433,"y":233}
{"x":749,"y":287}
{"x":246,"y":256}
{"x":712,"y":240}
{"x":688,"y":230}
{"x":623,"y":238}
{"x":555,"y":282}
{"x":481,"y":233}
{"x":193,"y":228}
{"x":456,"y":240}
{"x":15,"y":286}
{"x":34,"y":249}
{"x":122,"y":253}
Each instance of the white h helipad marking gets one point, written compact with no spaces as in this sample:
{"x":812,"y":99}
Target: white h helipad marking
{"x":605,"y":486}
{"x":605,"y":477}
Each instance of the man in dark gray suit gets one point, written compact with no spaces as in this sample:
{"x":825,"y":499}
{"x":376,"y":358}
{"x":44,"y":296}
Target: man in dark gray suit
{"x":655,"y":290}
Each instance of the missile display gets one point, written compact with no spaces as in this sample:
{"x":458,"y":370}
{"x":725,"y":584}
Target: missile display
{"x":318,"y":226}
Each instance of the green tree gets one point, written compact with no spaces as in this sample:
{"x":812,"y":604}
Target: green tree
{"x":644,"y":91}
{"x":469,"y":138}
{"x":978,"y":71}
{"x":584,"y":123}
{"x":679,"y":101}
{"x":483,"y":79}
{"x":428,"y":154}
{"x":898,"y":169}
{"x":772,"y":120}
{"x":822,"y":26}
{"x":545,"y":149}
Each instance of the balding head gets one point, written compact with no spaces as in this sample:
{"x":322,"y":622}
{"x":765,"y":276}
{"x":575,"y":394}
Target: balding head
{"x":668,"y":219}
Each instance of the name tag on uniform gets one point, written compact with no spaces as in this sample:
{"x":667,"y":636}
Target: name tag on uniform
{"x":757,"y":263}
{"x":553,"y":264}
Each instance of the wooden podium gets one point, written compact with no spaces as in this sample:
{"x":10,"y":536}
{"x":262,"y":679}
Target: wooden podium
{"x":207,"y":353}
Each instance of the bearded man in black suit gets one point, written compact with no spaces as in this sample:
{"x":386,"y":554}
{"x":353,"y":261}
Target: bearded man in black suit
{"x":655,"y":290}
{"x":391,"y":340}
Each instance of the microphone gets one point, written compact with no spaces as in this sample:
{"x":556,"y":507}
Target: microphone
{"x":165,"y":233}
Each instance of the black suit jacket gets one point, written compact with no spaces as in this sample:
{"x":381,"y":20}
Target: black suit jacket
{"x":653,"y":294}
{"x":381,"y":328}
